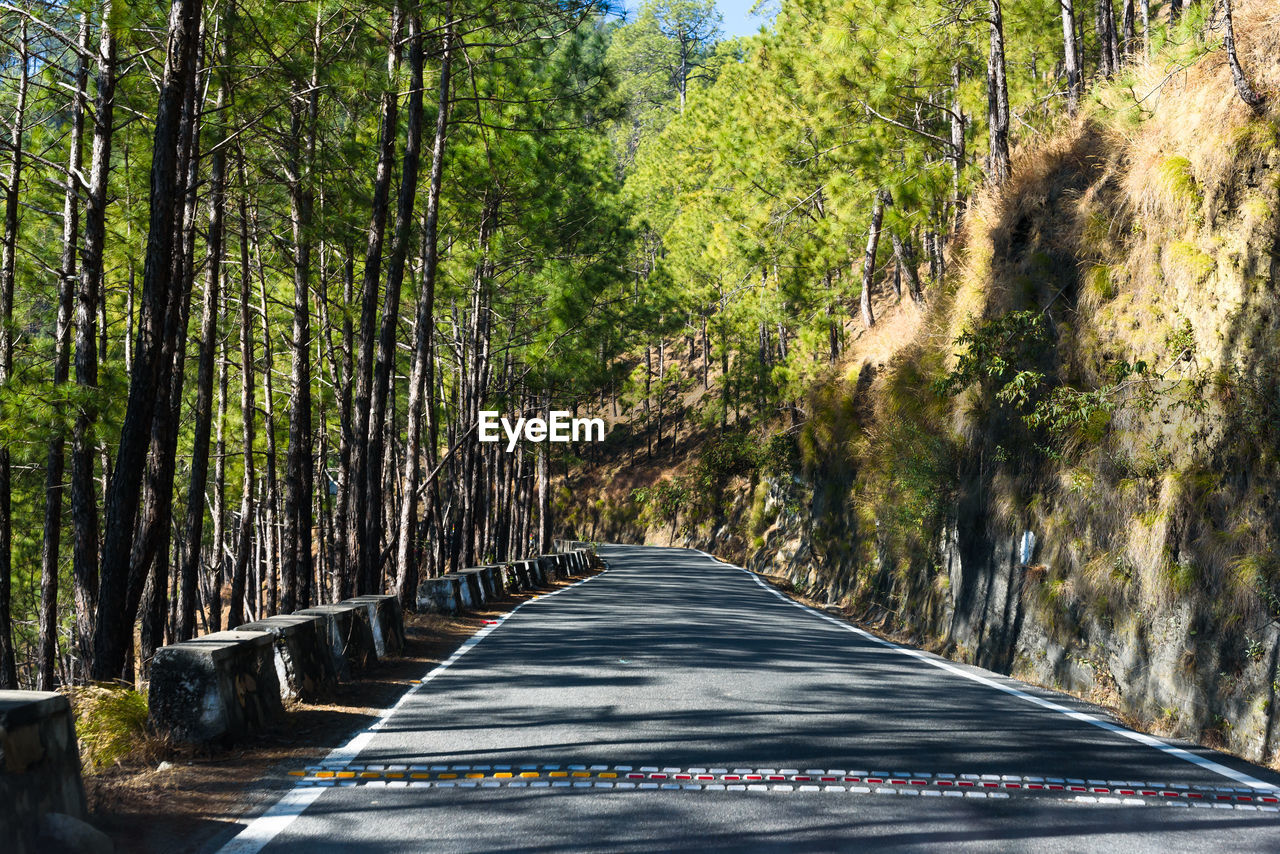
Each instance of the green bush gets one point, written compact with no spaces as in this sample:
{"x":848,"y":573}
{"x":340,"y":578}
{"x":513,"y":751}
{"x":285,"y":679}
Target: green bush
{"x":111,"y":723}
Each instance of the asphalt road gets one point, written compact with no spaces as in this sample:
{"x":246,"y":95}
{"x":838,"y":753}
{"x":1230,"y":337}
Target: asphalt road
{"x":691,"y":684}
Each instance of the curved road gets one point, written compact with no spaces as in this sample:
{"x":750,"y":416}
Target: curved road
{"x":647,"y":708}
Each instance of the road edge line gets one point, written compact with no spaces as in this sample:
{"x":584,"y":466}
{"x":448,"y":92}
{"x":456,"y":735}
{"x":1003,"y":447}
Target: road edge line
{"x":262,"y":829}
{"x":942,"y":664}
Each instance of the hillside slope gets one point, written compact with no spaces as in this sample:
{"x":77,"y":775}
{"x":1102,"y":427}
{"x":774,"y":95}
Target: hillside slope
{"x":1067,"y":468}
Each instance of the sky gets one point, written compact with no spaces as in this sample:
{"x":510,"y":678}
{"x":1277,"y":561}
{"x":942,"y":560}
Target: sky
{"x":738,"y":20}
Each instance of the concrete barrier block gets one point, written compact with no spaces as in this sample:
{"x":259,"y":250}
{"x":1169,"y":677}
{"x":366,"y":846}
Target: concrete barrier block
{"x":440,"y":595}
{"x":217,"y":687}
{"x":39,"y":765}
{"x":473,"y":576}
{"x":466,"y":592}
{"x":520,"y":574}
{"x":386,"y":618}
{"x":496,"y":580}
{"x":544,"y":569}
{"x":348,"y":635}
{"x":304,"y":667}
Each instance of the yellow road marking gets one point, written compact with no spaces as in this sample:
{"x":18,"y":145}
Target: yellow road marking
{"x":297,"y":773}
{"x":448,"y":776}
{"x":370,"y":775}
{"x":346,"y":775}
{"x":558,"y":774}
{"x":529,"y":774}
{"x":474,"y":776}
{"x":324,"y":773}
{"x":503,"y":774}
{"x":581,"y":773}
{"x":608,"y":776}
{"x":420,"y":776}
{"x":395,"y":776}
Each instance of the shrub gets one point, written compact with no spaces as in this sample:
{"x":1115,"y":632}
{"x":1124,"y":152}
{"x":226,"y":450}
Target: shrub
{"x":111,"y":723}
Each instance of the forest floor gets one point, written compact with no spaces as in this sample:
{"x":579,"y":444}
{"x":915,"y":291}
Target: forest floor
{"x":183,"y":799}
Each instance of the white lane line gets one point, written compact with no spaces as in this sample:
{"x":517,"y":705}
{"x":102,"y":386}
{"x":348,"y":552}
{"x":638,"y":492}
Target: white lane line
{"x":1140,"y":737}
{"x":260,"y":831}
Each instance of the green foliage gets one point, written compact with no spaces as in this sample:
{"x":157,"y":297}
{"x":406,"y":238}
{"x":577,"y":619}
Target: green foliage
{"x":1179,"y":183}
{"x":111,"y":723}
{"x":1188,"y":256}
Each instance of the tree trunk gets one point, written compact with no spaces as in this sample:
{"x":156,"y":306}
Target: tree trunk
{"x":239,"y":571}
{"x":1130,"y":34}
{"x":957,"y":153}
{"x":1244,"y":89}
{"x":84,"y":503}
{"x":67,"y":281}
{"x":906,"y":257}
{"x":296,"y":563}
{"x":998,"y":99}
{"x":8,"y":263}
{"x":386,"y":355}
{"x":151,"y":548}
{"x":1108,"y":48}
{"x":1070,"y":54}
{"x":869,"y":259}
{"x":360,"y":562}
{"x":420,"y":379}
{"x":203,"y":413}
{"x":113,"y":630}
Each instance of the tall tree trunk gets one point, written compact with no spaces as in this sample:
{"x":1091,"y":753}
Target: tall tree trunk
{"x":420,"y":379}
{"x":1130,"y":35}
{"x":67,"y":281}
{"x":359,"y":560}
{"x":1146,"y":28}
{"x":906,"y":257}
{"x":203,"y":413}
{"x":219,"y":510}
{"x":869,"y":259}
{"x":115,"y":613}
{"x":84,"y":503}
{"x":239,"y":571}
{"x":297,"y":560}
{"x":1070,"y":55}
{"x":8,"y":264}
{"x":957,"y":153}
{"x":271,"y":488}
{"x":386,"y":355}
{"x":152,"y":546}
{"x":1108,"y":48}
{"x":998,"y":99}
{"x":1244,"y":89}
